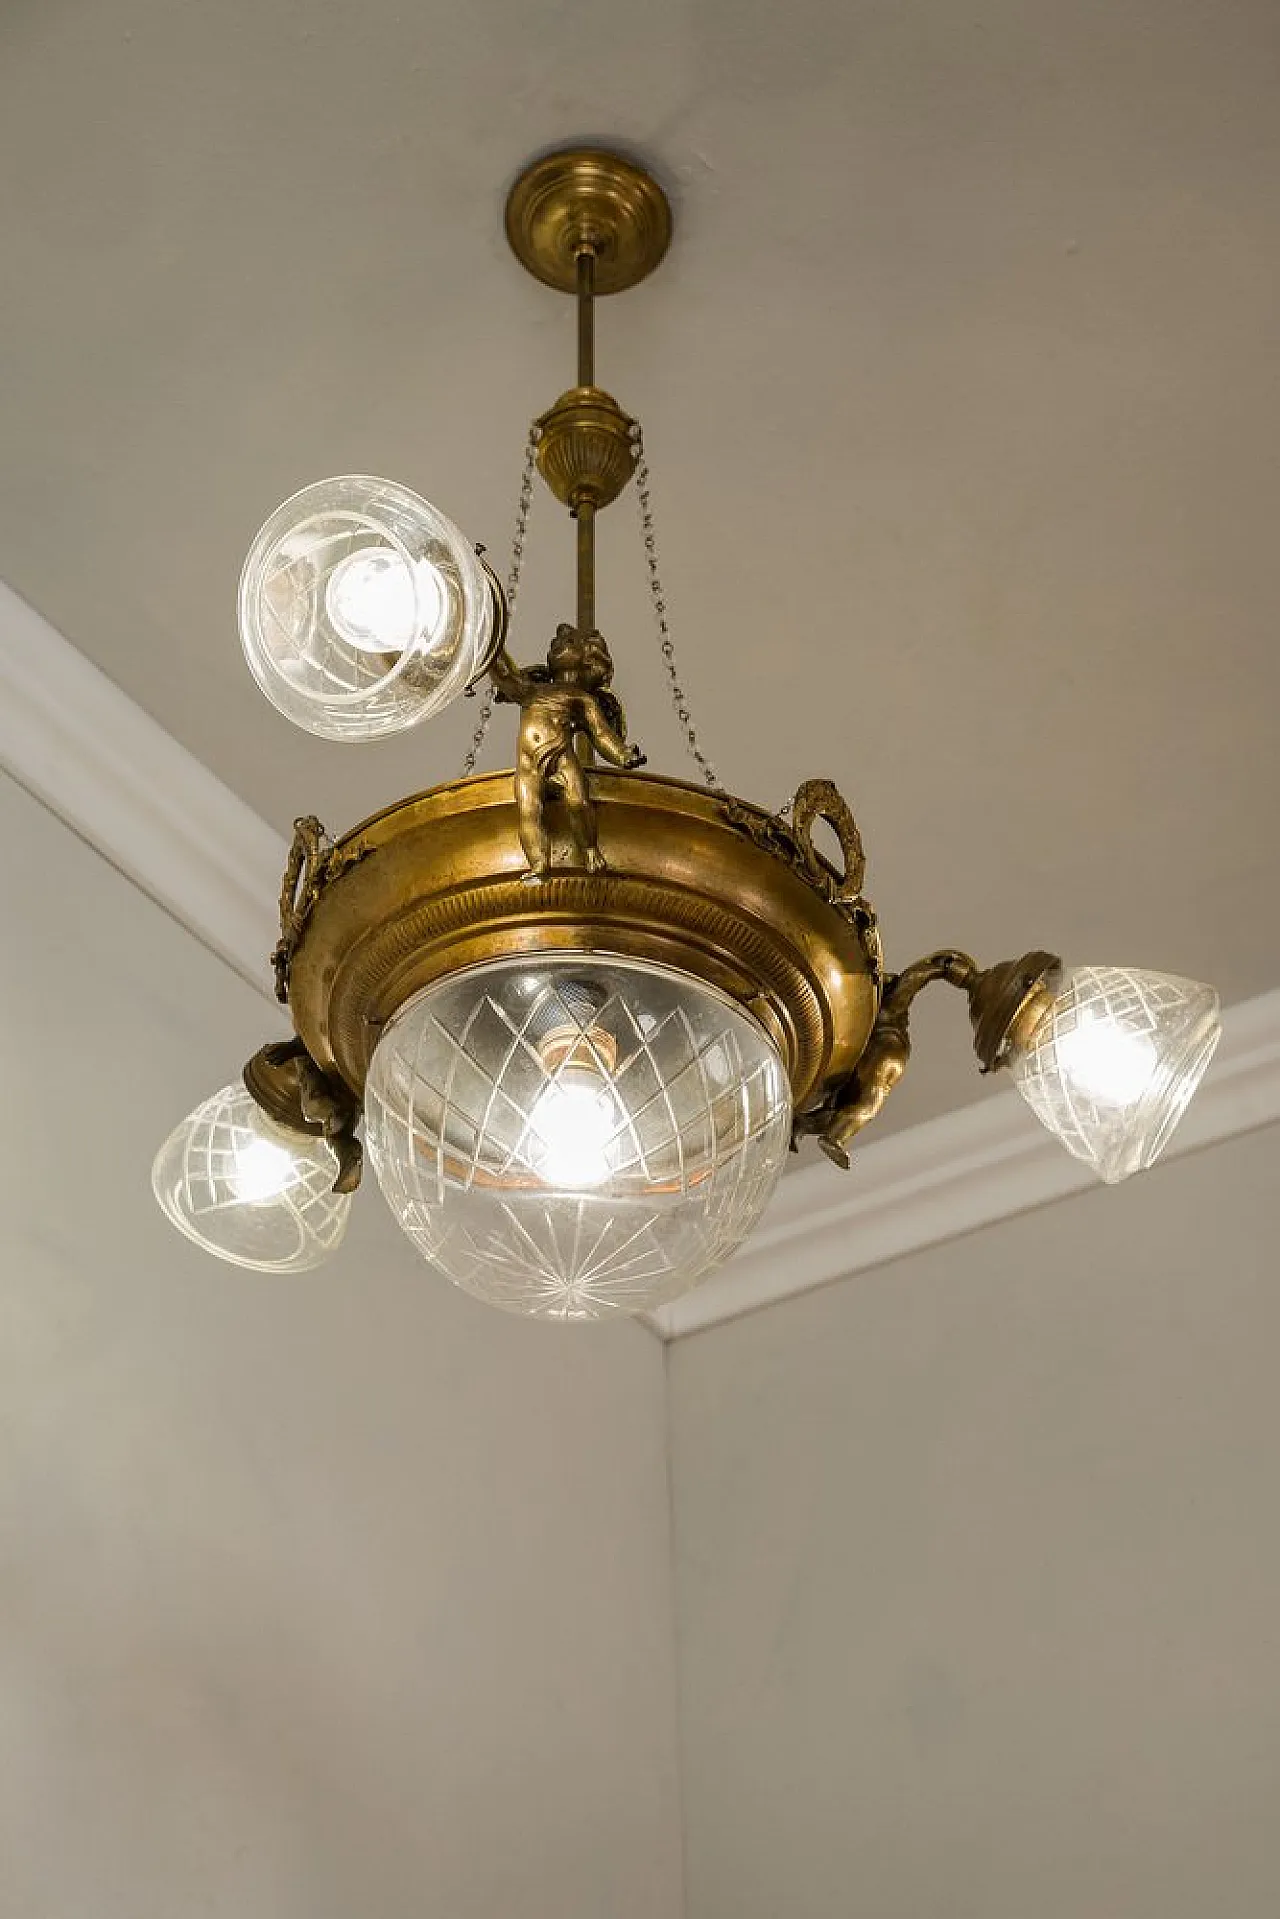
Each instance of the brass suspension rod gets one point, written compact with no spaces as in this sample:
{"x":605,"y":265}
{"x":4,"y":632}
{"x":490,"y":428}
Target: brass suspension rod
{"x":587,"y":316}
{"x":586,"y":518}
{"x":585,"y":513}
{"x":586,"y":221}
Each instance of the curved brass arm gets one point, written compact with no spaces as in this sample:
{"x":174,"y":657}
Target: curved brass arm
{"x":1005,"y":1002}
{"x":956,"y":968}
{"x":511,"y":682}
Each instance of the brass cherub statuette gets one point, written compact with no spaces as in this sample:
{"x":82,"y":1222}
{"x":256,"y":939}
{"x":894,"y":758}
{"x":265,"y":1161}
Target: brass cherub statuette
{"x":561,"y":703}
{"x":859,"y":1100}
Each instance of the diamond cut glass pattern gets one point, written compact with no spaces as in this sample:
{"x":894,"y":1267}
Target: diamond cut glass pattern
{"x":574,"y":1136}
{"x":363,"y":610}
{"x":1113,"y":1064}
{"x":248,"y":1192}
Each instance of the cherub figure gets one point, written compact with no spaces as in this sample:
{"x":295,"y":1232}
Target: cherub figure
{"x":877,"y":1073}
{"x":858,"y":1099}
{"x":560,"y":702}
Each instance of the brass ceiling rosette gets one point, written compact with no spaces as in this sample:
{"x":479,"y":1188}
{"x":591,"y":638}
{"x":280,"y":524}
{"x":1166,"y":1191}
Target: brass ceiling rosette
{"x":580,"y":197}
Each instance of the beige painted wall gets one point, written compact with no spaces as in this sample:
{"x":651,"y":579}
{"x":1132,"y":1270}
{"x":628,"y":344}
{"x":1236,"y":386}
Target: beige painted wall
{"x":978,"y":1564}
{"x":337,"y":1597}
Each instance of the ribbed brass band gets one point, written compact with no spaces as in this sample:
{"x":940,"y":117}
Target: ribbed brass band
{"x":585,"y":447}
{"x":441,"y":886}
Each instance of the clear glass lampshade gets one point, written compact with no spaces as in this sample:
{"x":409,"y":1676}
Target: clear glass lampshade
{"x":247,"y":1191}
{"x":1114,"y":1061}
{"x":363,"y":610}
{"x":574,"y":1136}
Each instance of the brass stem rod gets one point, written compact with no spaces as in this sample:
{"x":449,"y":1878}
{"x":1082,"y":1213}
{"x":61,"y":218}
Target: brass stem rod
{"x":587,"y":317}
{"x":586,"y":518}
{"x":585,"y":513}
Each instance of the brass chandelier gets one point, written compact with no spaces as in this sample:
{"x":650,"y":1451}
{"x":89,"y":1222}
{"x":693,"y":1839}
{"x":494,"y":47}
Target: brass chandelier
{"x":577,"y":1014}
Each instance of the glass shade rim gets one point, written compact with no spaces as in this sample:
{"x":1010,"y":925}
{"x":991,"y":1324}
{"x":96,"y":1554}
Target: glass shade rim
{"x":344,"y":715}
{"x":277,"y":1268}
{"x":1177,"y":1081}
{"x":586,"y":955}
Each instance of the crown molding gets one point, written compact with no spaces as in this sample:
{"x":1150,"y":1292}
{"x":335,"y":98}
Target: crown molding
{"x":955,"y":1174}
{"x":125,"y":785}
{"x":119,"y":780}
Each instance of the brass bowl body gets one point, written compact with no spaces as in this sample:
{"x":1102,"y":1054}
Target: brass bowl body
{"x":439,"y":885}
{"x":585,"y":197}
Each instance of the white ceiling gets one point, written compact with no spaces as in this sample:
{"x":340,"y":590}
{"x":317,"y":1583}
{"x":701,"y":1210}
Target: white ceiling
{"x":959,"y":384}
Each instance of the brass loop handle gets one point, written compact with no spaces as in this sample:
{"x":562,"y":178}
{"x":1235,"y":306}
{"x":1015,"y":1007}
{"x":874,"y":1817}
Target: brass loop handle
{"x":822,"y":800}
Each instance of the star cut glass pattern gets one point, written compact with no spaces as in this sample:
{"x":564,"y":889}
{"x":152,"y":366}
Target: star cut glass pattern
{"x":574,"y":1137}
{"x":363,"y":610}
{"x":248,"y":1192}
{"x":1113,"y":1064}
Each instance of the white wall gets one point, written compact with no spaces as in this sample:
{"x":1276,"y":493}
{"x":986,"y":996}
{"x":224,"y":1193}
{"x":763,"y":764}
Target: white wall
{"x":321,"y":1598}
{"x":978,"y":1563}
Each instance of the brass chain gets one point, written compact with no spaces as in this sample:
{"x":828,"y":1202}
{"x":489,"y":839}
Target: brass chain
{"x":513,"y":585}
{"x":679,"y":699}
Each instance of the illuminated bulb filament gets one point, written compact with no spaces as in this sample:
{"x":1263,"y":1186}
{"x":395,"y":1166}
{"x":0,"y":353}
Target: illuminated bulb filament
{"x":574,"y":1126}
{"x":1106,"y":1062}
{"x":262,"y":1171}
{"x":381,"y":603}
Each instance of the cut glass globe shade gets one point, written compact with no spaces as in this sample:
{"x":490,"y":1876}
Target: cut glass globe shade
{"x":1114,"y":1061}
{"x":576,"y":1136}
{"x":363,"y":610}
{"x":249,"y":1192}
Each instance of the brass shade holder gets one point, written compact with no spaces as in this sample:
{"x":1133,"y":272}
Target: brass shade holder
{"x":1006,"y":1004}
{"x":296,"y":1094}
{"x":274,"y":1078}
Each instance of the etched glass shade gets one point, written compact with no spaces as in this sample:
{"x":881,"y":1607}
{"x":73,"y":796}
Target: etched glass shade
{"x":363,"y":610}
{"x":248,"y":1192}
{"x":1114,"y":1061}
{"x":575,"y":1136}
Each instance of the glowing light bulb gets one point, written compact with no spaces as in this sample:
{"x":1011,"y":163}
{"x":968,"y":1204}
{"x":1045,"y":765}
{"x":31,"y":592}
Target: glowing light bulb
{"x":574,"y":1125}
{"x":1107,"y":1062}
{"x":262,"y":1171}
{"x":379,"y":602}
